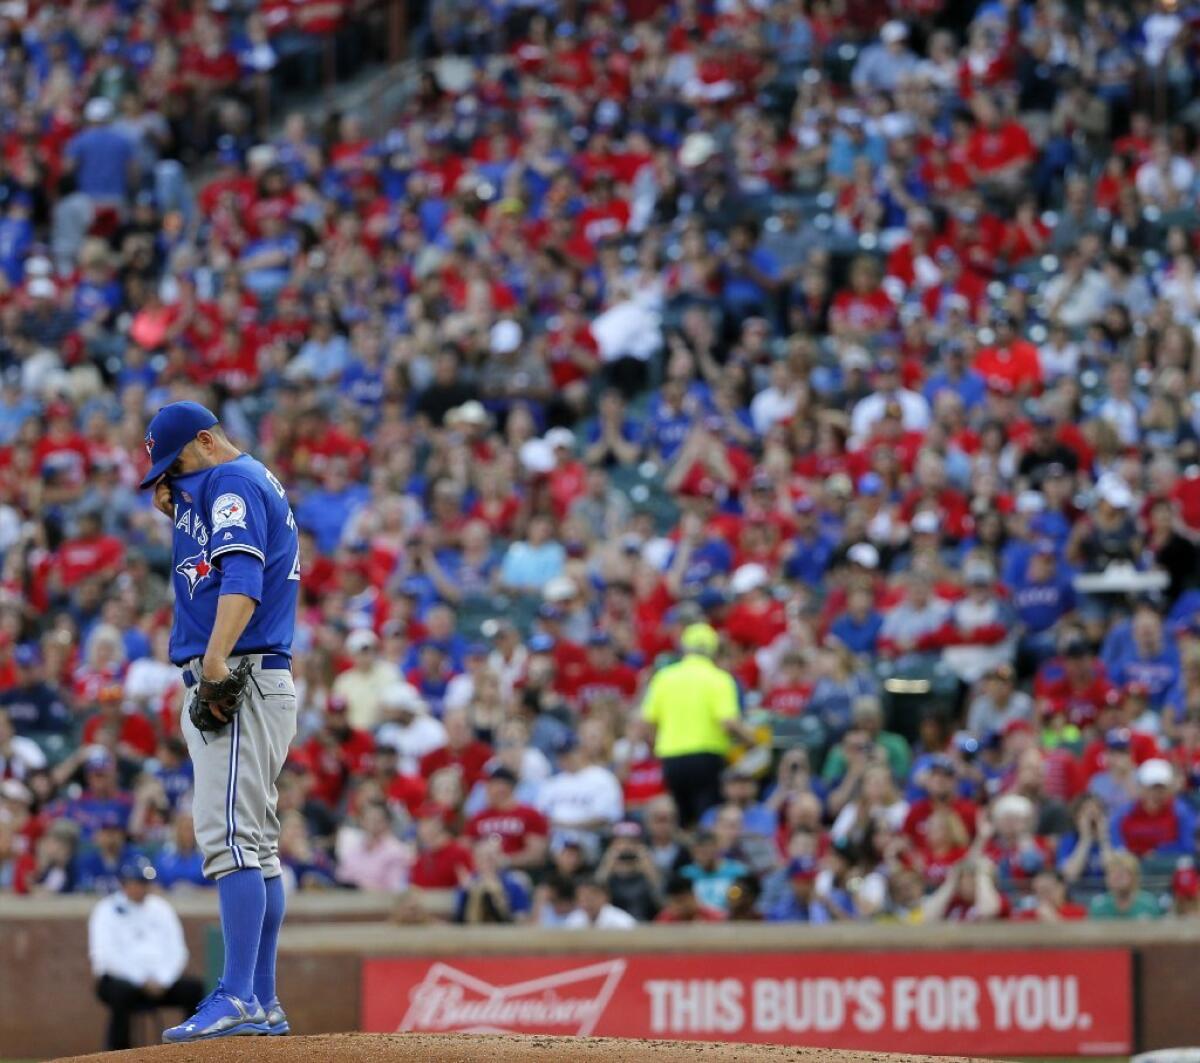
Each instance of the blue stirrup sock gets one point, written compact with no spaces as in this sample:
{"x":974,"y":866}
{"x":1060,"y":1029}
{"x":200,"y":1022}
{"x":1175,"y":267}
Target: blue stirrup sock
{"x":243,"y":898}
{"x":264,"y":968}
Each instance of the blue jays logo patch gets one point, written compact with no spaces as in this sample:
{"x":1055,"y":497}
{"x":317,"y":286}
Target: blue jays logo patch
{"x":150,"y":445}
{"x":194,"y":569}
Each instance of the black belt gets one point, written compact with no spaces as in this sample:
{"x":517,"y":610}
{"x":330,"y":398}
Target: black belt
{"x":271,"y":662}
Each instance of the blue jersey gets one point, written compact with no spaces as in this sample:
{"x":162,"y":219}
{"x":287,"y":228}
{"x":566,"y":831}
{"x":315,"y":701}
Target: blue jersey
{"x":235,"y":506}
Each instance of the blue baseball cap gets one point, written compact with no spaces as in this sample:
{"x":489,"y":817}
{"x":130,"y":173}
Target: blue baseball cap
{"x":172,"y":429}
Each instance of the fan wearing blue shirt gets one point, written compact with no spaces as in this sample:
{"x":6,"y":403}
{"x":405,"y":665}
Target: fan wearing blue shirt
{"x":858,"y":627}
{"x":102,"y":159}
{"x":16,"y":238}
{"x":957,"y":377}
{"x":1152,"y":659}
{"x":325,"y":511}
{"x":670,"y":420}
{"x":811,"y":549}
{"x":1042,"y":595}
{"x":96,"y":869}
{"x":180,"y":862}
{"x":266,"y":263}
{"x":801,"y":903}
{"x":750,"y":277}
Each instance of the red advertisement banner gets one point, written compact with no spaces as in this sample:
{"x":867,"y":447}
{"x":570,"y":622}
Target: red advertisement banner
{"x":985,"y":1002}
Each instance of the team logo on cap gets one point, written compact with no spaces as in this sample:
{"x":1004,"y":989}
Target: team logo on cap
{"x":150,"y":444}
{"x":229,"y":511}
{"x":194,"y":569}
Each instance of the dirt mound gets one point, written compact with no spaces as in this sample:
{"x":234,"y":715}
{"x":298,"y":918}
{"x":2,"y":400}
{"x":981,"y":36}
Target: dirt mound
{"x":469,"y":1048}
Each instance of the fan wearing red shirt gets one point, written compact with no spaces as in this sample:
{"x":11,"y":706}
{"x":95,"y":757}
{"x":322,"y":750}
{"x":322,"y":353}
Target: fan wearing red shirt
{"x":912,"y":262}
{"x":62,"y":449}
{"x":757,"y":617}
{"x":523,"y":831}
{"x":210,"y":64}
{"x":90,"y":553}
{"x":462,"y":751}
{"x":13,"y":662}
{"x":958,"y":286}
{"x":603,"y":675}
{"x":230,"y":185}
{"x":319,"y":17}
{"x":968,"y":896}
{"x":336,"y":753}
{"x":136,"y":739}
{"x":441,"y":168}
{"x":1158,"y":821}
{"x":706,"y":464}
{"x":1026,"y":235}
{"x":571,"y":350}
{"x":976,"y":237}
{"x":941,"y":784}
{"x":442,"y":861}
{"x":1014,"y":849}
{"x":642,"y":779}
{"x":290,"y":324}
{"x":605,"y":216}
{"x":409,"y":791}
{"x":1000,"y":150}
{"x":1010,"y":359}
{"x":942,"y":175}
{"x":1075,"y":683}
{"x":1048,"y":901}
{"x":681,"y":906}
{"x":790,"y":694}
{"x":864,"y":309}
{"x":568,"y":479}
{"x":1117,"y":722}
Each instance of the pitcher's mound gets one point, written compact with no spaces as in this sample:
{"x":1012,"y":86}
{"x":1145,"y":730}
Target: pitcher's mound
{"x":471,"y":1048}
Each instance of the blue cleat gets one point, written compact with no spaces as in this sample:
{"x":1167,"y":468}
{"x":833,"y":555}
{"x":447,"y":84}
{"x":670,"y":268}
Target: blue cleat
{"x":220,"y":1015}
{"x":277,"y":1020}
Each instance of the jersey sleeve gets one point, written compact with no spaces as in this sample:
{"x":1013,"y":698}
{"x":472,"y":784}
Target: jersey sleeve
{"x":237,"y":517}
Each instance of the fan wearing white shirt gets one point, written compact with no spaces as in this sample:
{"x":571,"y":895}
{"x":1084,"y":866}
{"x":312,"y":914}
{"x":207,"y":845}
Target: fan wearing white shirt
{"x":581,"y":799}
{"x":409,"y":729}
{"x":138,"y":955}
{"x":595,"y":912}
{"x":887,"y":388}
{"x":150,"y":679}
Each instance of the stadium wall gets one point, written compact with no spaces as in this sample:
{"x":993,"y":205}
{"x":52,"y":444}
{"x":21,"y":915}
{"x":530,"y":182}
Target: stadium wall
{"x":1001,"y":989}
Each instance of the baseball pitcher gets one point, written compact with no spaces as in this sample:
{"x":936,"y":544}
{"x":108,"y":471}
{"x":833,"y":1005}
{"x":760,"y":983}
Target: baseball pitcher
{"x":237,"y":577}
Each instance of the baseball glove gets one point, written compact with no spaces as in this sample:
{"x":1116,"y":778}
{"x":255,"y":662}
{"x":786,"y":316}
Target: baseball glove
{"x":217,"y":702}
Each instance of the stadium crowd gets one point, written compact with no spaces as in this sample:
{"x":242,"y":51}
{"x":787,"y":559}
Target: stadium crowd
{"x":845,"y":350}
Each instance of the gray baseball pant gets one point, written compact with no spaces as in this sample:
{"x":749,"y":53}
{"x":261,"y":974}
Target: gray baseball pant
{"x":234,"y":793}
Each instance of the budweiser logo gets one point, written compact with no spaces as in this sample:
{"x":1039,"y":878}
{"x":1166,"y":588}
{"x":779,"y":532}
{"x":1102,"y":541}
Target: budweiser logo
{"x":569,"y":1002}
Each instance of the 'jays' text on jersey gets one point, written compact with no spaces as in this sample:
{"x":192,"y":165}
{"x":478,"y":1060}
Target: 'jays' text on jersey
{"x":236,"y":506}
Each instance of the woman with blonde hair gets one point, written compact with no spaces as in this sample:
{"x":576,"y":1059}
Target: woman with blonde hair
{"x":876,"y":800}
{"x":944,"y":845}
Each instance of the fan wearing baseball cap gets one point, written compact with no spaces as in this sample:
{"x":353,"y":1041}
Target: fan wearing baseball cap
{"x":693,"y":707}
{"x":522,"y":830}
{"x":137,"y":951}
{"x":1157,"y":821}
